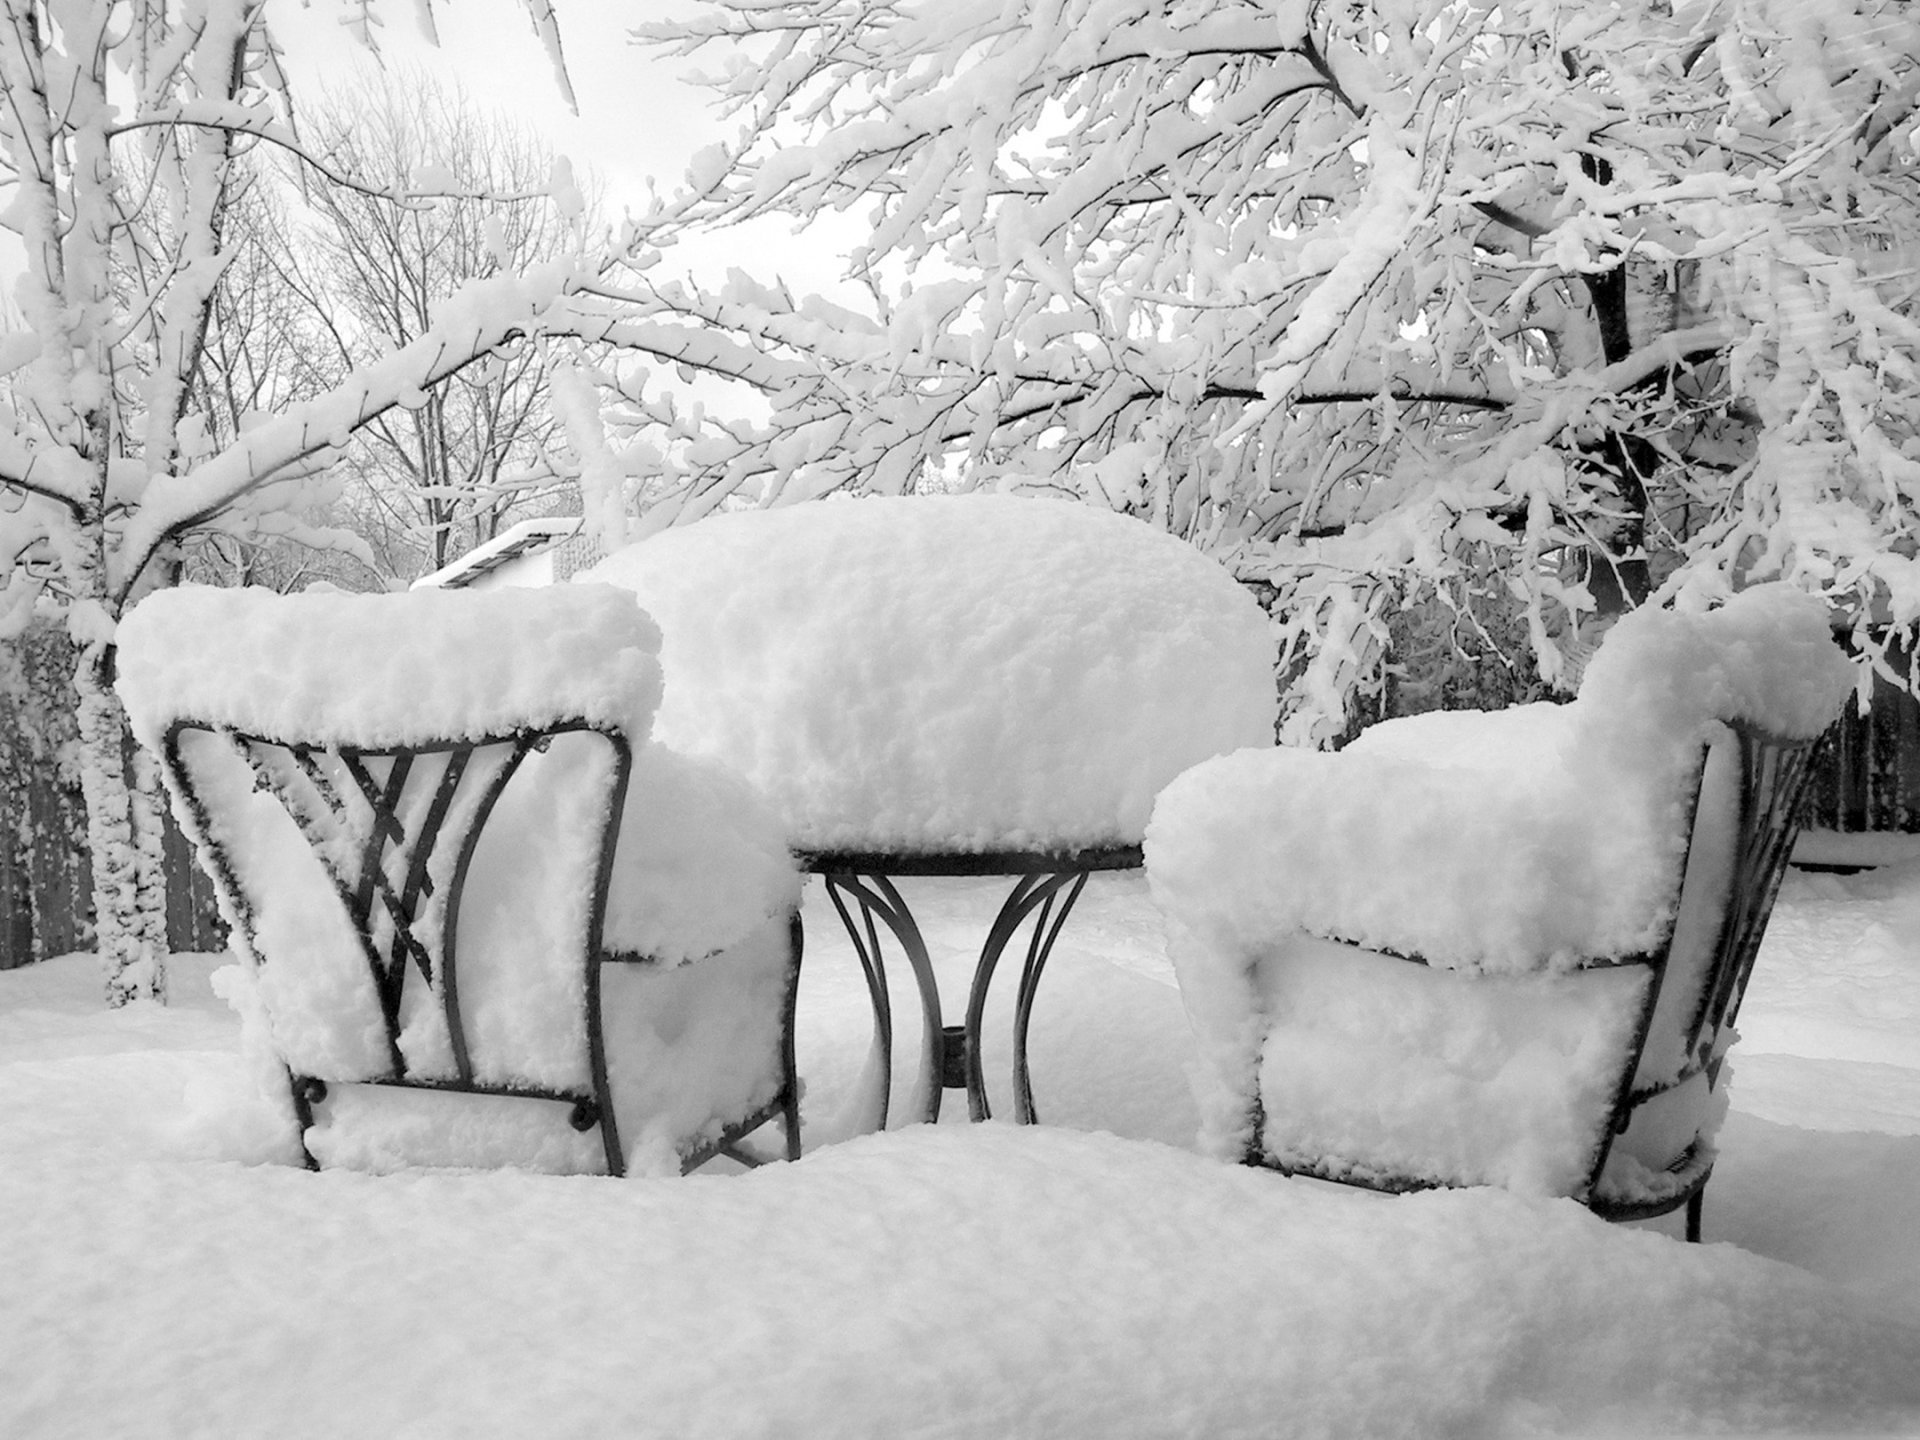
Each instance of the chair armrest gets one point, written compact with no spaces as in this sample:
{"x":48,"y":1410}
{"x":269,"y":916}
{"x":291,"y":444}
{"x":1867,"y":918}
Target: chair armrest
{"x":1507,"y":869}
{"x":701,"y":861}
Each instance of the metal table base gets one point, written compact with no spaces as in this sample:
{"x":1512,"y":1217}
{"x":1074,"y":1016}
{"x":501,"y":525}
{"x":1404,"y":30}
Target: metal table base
{"x":1046,"y":886}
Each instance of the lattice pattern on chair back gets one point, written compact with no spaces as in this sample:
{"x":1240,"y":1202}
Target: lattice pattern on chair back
{"x":344,"y":870}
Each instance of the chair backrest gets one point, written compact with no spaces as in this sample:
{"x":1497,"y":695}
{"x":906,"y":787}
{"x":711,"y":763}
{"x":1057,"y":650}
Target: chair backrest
{"x":348,"y":874}
{"x":1746,"y":814}
{"x":427,"y":915}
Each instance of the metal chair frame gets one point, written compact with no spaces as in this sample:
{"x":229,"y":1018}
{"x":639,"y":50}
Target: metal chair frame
{"x":1773,"y":775}
{"x":390,"y":879}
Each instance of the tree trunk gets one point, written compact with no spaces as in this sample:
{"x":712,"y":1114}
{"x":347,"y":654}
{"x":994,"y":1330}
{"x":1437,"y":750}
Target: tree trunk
{"x":150,"y":859}
{"x":129,"y":885}
{"x":1619,"y":577}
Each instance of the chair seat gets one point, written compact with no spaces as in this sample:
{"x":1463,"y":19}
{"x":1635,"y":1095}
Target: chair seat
{"x":1374,"y":1069}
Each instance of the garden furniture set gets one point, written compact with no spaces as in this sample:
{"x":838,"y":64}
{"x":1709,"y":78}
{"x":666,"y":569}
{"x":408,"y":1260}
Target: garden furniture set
{"x":516,"y":873}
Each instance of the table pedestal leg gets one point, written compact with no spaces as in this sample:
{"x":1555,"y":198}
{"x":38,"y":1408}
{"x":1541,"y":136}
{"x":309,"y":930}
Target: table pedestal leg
{"x":951,"y":1055}
{"x":878,"y":899}
{"x":1034,"y":892}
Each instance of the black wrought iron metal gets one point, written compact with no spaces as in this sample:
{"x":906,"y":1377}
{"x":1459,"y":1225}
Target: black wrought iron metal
{"x":1047,"y":884}
{"x":949,"y":864}
{"x":1034,"y":893}
{"x":406,"y":831}
{"x":880,"y":1061}
{"x":1772,"y":775}
{"x":878,"y":898}
{"x":421,"y":804}
{"x":1774,"y":779}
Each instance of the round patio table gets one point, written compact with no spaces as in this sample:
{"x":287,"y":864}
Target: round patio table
{"x":951,"y":685}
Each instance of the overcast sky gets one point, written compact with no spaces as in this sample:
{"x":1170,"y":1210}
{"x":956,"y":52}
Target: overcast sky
{"x":639,"y":119}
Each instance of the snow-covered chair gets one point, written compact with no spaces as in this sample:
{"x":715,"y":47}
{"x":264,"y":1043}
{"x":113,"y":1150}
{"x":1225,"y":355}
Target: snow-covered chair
{"x":452,"y":862}
{"x":1580,"y":889}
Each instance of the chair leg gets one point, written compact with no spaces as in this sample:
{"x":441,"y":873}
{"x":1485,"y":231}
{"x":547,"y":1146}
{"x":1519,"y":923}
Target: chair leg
{"x":307,"y":1092}
{"x":1695,"y":1204}
{"x":790,"y":1118}
{"x":789,"y":1057}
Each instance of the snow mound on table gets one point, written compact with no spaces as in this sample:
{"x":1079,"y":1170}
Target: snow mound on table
{"x":951,"y":672}
{"x":1505,"y":842}
{"x":387,"y":669}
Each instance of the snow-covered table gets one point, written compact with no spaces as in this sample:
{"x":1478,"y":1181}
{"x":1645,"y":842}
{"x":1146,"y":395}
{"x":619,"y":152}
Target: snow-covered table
{"x":952,"y":685}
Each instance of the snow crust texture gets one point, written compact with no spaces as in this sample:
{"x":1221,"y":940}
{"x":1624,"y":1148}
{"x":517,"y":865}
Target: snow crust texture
{"x":167,"y":1273}
{"x":951,"y":672}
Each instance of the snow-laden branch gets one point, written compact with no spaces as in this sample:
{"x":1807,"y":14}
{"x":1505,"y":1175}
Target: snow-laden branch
{"x":1537,"y":301}
{"x":363,"y":22}
{"x":482,"y":317}
{"x":49,"y":470}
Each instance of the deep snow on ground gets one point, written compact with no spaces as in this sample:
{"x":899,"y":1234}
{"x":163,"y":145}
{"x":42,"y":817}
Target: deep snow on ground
{"x":160,"y":1275}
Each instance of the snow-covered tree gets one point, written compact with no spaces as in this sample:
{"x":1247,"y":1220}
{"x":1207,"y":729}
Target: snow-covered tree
{"x":123,"y":137}
{"x":479,"y":453}
{"x":1373,"y":298}
{"x":257,"y":356}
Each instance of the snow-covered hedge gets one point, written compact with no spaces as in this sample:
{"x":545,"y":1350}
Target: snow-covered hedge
{"x":951,"y":672}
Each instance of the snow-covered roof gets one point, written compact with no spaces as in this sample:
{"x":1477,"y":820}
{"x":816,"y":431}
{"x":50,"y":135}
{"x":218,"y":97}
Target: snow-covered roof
{"x":971,"y":672}
{"x":529,"y":537}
